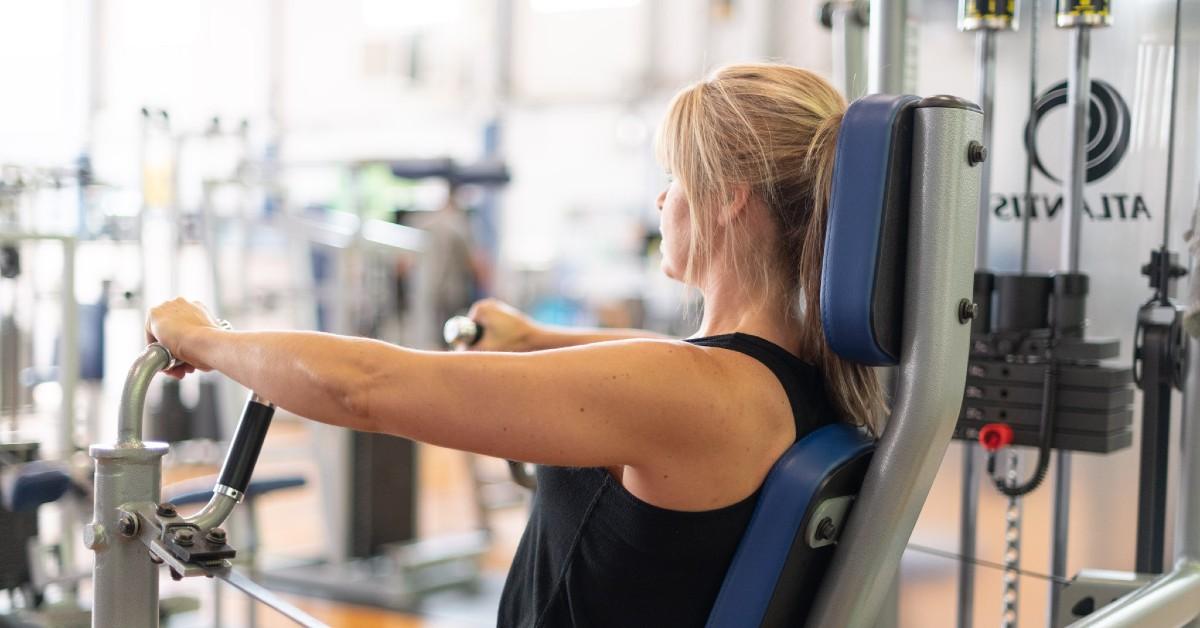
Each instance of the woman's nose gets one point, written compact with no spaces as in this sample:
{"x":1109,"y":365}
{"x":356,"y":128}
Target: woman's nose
{"x":662,"y":198}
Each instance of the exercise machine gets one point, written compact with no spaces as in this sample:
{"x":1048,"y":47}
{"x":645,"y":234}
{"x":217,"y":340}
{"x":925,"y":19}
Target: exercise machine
{"x":133,"y":532}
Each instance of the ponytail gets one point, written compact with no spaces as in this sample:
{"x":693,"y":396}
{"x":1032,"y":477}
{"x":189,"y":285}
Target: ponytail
{"x":774,"y":128}
{"x":854,"y":388}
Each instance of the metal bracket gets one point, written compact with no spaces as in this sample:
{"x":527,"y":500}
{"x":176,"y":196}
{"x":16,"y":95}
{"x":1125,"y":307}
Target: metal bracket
{"x":827,"y":521}
{"x":1092,"y":589}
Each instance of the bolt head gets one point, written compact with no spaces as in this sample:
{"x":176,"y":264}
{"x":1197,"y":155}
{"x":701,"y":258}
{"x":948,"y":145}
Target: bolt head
{"x":216,"y":536}
{"x":976,"y":153}
{"x":127,"y":525}
{"x":185,"y":537}
{"x":826,"y":529}
{"x":94,"y":536}
{"x":166,"y":509}
{"x":967,"y":310}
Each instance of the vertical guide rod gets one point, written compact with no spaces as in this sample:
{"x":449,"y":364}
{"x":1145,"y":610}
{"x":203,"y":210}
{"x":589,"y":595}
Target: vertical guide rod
{"x":1078,"y":97}
{"x":886,"y":47}
{"x":969,"y":504}
{"x":985,"y":63}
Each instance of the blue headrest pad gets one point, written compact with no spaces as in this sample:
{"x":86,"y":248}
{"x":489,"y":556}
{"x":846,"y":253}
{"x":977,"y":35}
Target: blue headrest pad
{"x":787,"y":496}
{"x":862,"y":281}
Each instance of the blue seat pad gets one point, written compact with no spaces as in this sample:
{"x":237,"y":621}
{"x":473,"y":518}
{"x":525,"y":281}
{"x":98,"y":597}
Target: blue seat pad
{"x":783,"y":508}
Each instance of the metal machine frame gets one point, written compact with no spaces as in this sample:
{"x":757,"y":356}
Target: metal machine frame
{"x":941,"y":251}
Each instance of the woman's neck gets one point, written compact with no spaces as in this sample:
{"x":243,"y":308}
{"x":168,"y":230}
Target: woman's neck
{"x":729,"y":308}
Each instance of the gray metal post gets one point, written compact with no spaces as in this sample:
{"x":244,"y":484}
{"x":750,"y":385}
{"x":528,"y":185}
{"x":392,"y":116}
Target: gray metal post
{"x":124,"y":580}
{"x":932,"y":373}
{"x":985,"y":62}
{"x":849,"y":60}
{"x":1078,"y":97}
{"x":967,"y":526}
{"x":68,"y":381}
{"x":886,"y":49}
{"x":1079,"y":87}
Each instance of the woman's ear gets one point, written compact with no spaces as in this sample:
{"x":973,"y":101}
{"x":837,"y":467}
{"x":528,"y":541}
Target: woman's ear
{"x":736,"y":205}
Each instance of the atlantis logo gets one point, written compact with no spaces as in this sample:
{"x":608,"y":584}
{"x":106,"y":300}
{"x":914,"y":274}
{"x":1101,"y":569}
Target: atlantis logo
{"x":1109,"y":129}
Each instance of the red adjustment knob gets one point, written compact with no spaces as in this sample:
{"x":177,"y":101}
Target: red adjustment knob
{"x":995,"y":436}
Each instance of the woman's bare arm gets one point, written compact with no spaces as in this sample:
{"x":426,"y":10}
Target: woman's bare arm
{"x":647,"y":403}
{"x":508,"y":329}
{"x":556,"y":337}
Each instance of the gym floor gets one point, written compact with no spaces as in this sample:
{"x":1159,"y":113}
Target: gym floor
{"x":445,"y":506}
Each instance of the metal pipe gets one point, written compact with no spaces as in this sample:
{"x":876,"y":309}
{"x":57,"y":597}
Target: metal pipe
{"x":1028,"y":187}
{"x":1079,"y":87}
{"x":985,"y":62}
{"x":1061,"y":525}
{"x":124,"y":580}
{"x":68,"y":368}
{"x":849,"y":66}
{"x":1078,"y":99}
{"x":886,"y":49}
{"x":133,"y":397}
{"x":239,"y":464}
{"x":967,"y":527}
{"x":1187,"y":511}
{"x":68,"y":379}
{"x":1171,"y":126}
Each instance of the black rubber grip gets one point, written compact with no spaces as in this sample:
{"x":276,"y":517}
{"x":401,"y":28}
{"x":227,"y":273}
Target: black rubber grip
{"x":247,"y":443}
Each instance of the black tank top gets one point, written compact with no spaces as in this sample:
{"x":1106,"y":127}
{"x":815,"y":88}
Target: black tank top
{"x":593,"y":554}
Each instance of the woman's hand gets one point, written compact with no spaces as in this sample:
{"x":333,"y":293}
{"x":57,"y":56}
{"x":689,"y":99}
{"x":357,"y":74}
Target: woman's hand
{"x":174,"y":324}
{"x":505,"y":328}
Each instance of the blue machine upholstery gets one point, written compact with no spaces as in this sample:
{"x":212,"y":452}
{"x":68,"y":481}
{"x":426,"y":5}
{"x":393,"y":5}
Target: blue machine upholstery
{"x":775,"y":574}
{"x":867,"y":233}
{"x":255,"y":489}
{"x":32,"y":484}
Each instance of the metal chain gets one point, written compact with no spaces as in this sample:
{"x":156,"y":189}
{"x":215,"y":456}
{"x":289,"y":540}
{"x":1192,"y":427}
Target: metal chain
{"x":1012,"y":550}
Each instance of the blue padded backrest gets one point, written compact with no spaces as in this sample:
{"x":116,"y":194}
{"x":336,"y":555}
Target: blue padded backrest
{"x":862,"y":277}
{"x":774,"y":575}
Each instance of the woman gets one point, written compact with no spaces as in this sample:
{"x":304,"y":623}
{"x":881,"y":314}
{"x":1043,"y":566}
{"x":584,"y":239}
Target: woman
{"x":654,"y":449}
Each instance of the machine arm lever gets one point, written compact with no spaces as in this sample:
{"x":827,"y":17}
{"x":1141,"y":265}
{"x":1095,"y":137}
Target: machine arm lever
{"x":262,"y":594}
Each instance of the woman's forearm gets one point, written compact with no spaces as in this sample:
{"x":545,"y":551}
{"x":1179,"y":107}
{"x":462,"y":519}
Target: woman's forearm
{"x":315,"y":375}
{"x":556,"y":337}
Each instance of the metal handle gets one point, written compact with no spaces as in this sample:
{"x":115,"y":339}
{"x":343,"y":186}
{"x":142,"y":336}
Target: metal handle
{"x":239,"y":464}
{"x":521,"y":474}
{"x":247,"y":443}
{"x":461,"y":332}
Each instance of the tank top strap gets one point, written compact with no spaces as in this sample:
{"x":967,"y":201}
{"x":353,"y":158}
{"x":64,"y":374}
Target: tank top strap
{"x":801,"y":381}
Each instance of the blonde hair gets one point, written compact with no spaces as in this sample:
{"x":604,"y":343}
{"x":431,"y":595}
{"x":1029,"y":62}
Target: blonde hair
{"x":771,"y":128}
